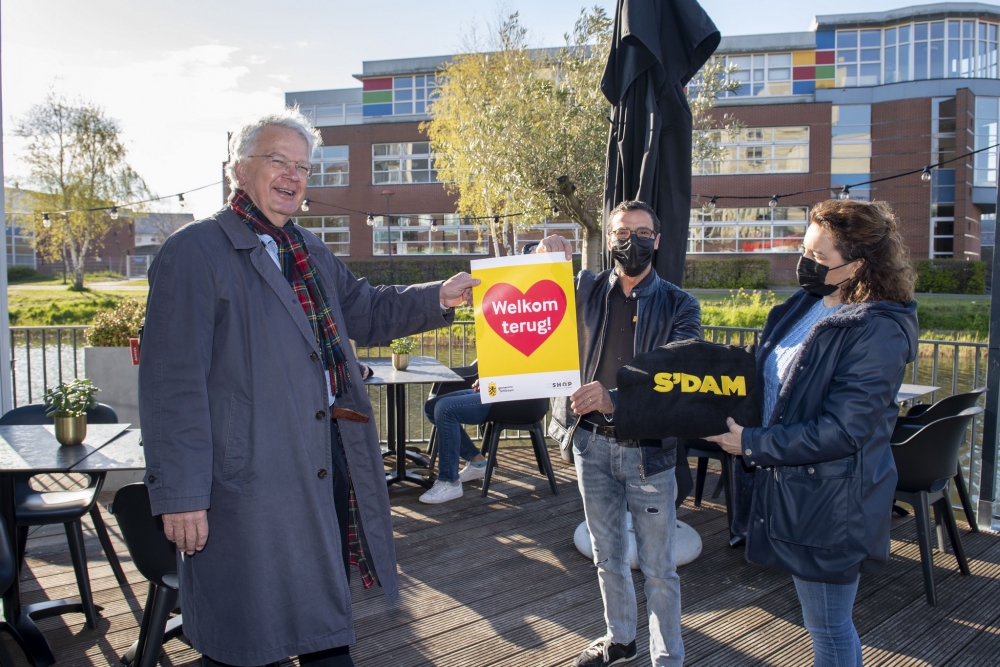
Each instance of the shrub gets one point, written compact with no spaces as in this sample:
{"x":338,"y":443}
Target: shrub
{"x":950,"y":276}
{"x":114,"y":328}
{"x":405,"y":271}
{"x":24,"y":274}
{"x":728,"y":273}
{"x":739,"y":309}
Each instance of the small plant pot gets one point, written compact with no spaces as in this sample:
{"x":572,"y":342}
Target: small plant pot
{"x":400,"y":361}
{"x":71,"y":430}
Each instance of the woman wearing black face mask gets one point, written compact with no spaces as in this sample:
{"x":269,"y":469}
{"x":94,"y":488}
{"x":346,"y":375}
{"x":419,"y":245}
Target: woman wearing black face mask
{"x":831,"y":360}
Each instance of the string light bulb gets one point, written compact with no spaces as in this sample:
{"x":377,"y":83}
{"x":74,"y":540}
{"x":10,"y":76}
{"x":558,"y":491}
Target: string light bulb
{"x":46,"y":223}
{"x":180,"y":198}
{"x":114,"y":212}
{"x":371,"y":220}
{"x":555,"y":211}
{"x":925,"y":176}
{"x":773,"y":202}
{"x":305,"y":206}
{"x":434,"y":225}
{"x":845,"y":193}
{"x":714,"y":202}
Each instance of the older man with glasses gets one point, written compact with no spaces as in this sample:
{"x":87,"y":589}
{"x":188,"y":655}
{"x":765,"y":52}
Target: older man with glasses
{"x":262,"y":457}
{"x":621,"y":312}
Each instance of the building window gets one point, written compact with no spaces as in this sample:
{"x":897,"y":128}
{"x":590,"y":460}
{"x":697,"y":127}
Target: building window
{"x":333,"y":230}
{"x":859,"y":57}
{"x":427,"y":234}
{"x":761,"y":150}
{"x":399,"y":96}
{"x":747,"y":230}
{"x":987,"y":229}
{"x":762,"y":74}
{"x":851,"y":148}
{"x":328,"y":115}
{"x":20,"y":249}
{"x":410,"y":162}
{"x":985,"y":174}
{"x":330,"y":166}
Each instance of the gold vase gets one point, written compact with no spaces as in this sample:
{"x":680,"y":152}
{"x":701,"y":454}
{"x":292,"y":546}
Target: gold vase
{"x":400,"y":361}
{"x":71,"y":430}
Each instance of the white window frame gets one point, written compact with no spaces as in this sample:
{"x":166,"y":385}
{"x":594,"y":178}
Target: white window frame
{"x":322,"y":179}
{"x":336,"y":237}
{"x":739,"y":145}
{"x":702,"y":218}
{"x":396,"y":151}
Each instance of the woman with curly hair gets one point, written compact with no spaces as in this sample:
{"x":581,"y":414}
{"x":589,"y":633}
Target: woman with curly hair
{"x":830,"y":361}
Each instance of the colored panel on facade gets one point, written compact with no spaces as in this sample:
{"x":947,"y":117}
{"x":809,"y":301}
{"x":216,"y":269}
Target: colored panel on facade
{"x":826,"y":71}
{"x":826,"y":39}
{"x":803,"y":57}
{"x":803,"y":73}
{"x":378,"y":84}
{"x":826,"y":57}
{"x":803,"y":87}
{"x":377,"y":97}
{"x":377,"y":110}
{"x":824,"y":83}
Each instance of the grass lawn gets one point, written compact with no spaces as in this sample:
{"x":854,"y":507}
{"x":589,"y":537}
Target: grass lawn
{"x":59,"y":306}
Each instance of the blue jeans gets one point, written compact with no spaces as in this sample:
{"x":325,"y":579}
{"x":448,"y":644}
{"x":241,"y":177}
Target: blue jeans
{"x":448,"y":413}
{"x":610,"y":482}
{"x":826,"y":612}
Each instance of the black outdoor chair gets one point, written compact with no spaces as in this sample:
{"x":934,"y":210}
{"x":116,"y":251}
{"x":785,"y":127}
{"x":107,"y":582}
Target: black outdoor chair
{"x":704,"y":450}
{"x":155,"y":558}
{"x":524,"y":415}
{"x":469,"y":375}
{"x":6,"y":581}
{"x":923,"y":414}
{"x":926,"y":462}
{"x":45,"y":508}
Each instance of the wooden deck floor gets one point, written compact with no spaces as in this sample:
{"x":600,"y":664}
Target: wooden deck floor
{"x":497,"y":581}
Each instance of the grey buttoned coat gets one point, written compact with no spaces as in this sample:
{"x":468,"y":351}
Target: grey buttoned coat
{"x":233,"y":401}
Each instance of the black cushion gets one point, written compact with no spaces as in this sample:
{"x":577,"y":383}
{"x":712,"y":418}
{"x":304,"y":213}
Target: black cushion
{"x":687,"y":389}
{"x":43,"y":508}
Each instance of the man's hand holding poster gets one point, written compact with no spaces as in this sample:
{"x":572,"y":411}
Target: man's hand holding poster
{"x":526,"y":334}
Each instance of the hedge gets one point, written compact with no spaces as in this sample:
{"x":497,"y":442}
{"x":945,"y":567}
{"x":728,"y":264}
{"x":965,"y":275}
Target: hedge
{"x":950,"y":276}
{"x":728,"y":273}
{"x":24,"y":274}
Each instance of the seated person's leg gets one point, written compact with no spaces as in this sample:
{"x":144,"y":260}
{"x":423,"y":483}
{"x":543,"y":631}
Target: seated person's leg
{"x":451,"y":411}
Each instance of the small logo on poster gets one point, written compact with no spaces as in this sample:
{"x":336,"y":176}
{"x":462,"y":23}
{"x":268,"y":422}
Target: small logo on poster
{"x":491,"y":388}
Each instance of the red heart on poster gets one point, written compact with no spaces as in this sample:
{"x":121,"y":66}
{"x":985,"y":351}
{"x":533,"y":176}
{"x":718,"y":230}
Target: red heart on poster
{"x":524,"y":320}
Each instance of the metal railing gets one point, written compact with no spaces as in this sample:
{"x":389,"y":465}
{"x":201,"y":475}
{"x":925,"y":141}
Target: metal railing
{"x":41,"y":357}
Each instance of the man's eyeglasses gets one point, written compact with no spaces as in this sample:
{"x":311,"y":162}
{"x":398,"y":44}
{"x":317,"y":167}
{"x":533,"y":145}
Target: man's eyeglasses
{"x":623,"y":233}
{"x":280,"y":163}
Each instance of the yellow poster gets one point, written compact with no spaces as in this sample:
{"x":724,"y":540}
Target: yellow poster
{"x":526,"y":336}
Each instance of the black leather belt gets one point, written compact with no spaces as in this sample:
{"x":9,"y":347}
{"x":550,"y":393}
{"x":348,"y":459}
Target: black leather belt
{"x":606,"y":431}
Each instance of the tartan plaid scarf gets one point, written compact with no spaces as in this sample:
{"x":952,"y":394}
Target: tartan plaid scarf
{"x":301,"y":274}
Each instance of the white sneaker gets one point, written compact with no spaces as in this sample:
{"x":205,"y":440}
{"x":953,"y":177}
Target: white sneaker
{"x":441,"y":492}
{"x":471,"y":472}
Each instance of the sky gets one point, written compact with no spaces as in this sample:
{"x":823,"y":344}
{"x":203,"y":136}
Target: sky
{"x":179,"y":75}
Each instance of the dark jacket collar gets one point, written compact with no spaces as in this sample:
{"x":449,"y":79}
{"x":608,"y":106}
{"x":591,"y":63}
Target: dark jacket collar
{"x":648,"y":286}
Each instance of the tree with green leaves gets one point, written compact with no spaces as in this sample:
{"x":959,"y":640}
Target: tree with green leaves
{"x":522,"y":130}
{"x":77,"y":158}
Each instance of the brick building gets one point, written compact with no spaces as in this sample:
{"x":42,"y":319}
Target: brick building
{"x":856,"y":97}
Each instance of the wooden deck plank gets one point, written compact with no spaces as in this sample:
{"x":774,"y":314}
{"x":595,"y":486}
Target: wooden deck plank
{"x":497,"y":581}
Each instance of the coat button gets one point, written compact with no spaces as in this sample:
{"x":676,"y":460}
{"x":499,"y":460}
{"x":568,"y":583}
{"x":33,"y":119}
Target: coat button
{"x":761,"y":520}
{"x":749,"y":453}
{"x":152,"y":479}
{"x":322,"y":473}
{"x":812,"y":470}
{"x":314,"y":356}
{"x":753,"y":463}
{"x":320,"y":414}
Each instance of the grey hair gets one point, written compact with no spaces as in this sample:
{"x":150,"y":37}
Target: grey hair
{"x":243,"y":140}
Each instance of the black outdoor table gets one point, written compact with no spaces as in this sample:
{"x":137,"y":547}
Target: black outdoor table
{"x":35,"y":450}
{"x":421,"y":370}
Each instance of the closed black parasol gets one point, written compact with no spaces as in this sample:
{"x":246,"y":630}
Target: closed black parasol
{"x":658,"y":45}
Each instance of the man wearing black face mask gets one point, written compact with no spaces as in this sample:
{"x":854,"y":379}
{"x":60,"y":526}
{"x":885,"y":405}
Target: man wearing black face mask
{"x":622,"y":312}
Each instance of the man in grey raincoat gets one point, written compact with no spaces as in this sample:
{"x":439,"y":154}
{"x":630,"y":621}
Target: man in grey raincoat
{"x":260,"y":454}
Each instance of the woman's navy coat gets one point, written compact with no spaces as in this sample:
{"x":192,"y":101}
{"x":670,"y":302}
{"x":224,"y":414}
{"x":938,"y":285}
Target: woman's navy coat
{"x":824,"y":481}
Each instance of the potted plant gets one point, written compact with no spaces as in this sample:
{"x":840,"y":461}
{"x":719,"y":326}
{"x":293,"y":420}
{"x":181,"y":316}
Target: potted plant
{"x":401,"y":348}
{"x":107,"y":360}
{"x":67,"y":404}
